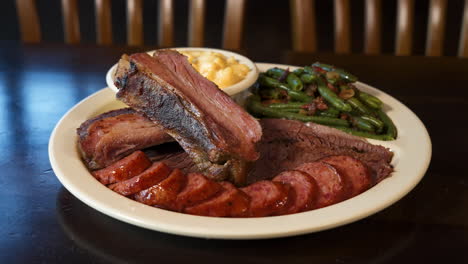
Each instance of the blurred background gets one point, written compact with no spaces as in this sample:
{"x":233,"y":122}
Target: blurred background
{"x":267,"y":28}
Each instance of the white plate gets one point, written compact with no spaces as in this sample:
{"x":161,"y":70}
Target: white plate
{"x":412,"y":156}
{"x":234,"y":89}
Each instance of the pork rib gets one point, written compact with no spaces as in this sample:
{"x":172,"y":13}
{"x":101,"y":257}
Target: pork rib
{"x":219,"y":136}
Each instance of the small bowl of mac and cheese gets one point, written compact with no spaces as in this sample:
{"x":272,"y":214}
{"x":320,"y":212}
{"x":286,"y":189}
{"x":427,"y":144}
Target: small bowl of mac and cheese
{"x":231,"y":72}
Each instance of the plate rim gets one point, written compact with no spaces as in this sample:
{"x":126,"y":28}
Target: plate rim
{"x":102,"y":199}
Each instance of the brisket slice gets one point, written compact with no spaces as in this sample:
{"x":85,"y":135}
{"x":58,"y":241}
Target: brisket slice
{"x":111,"y":136}
{"x":286,"y":144}
{"x":219,"y":135}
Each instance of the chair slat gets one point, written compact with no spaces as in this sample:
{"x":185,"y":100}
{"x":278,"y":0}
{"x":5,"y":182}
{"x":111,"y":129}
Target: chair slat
{"x":28,"y":21}
{"x":103,"y":22}
{"x":134,"y":22}
{"x":342,"y":26}
{"x":436,"y":27}
{"x":71,"y":22}
{"x":404,"y":30}
{"x":303,"y":25}
{"x":373,"y":22}
{"x":196,"y":28}
{"x":463,"y":45}
{"x":166,"y":23}
{"x":233,"y":24}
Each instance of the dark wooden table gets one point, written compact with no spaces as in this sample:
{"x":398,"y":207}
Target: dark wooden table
{"x":41,"y":222}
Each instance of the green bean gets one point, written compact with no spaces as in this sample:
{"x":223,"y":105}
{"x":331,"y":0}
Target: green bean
{"x":378,"y":124}
{"x":294,"y":82}
{"x":275,"y":72}
{"x":308,"y":78}
{"x":362,"y":124}
{"x":330,"y":112}
{"x":331,"y":97}
{"x":359,"y":107}
{"x":351,"y":131}
{"x":298,"y":71}
{"x":370,"y":100}
{"x":390,"y":126}
{"x":269,"y":93}
{"x":343,"y":74}
{"x":255,"y":107}
{"x":309,"y":70}
{"x":291,"y":110}
{"x":295,"y":95}
{"x":286,"y":105}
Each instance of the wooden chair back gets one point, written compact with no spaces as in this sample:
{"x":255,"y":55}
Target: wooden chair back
{"x":232,"y":29}
{"x":305,"y":36}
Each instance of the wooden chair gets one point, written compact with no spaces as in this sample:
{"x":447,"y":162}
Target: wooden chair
{"x":305,"y":36}
{"x":232,"y":30}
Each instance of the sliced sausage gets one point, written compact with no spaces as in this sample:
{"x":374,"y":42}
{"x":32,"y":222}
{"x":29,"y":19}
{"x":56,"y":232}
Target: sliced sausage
{"x":230,"y":202}
{"x":357,"y":174}
{"x":123,"y":169}
{"x":267,"y":197}
{"x":151,"y":176}
{"x":305,"y":190}
{"x":198,"y":189}
{"x":163,"y":194}
{"x":332,"y":186}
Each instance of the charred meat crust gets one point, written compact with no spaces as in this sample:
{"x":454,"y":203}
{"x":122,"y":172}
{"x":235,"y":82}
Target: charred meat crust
{"x":221,"y":152}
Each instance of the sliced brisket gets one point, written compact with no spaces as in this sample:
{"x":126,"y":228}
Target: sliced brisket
{"x":111,"y":136}
{"x":287,"y":144}
{"x":219,"y":136}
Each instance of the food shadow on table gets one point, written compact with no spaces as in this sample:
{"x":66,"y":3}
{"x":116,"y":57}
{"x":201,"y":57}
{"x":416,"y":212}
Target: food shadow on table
{"x":112,"y":241}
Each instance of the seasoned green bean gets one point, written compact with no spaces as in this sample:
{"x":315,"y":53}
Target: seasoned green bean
{"x":286,"y":105}
{"x":298,"y":71}
{"x":343,"y":74}
{"x":370,"y":100}
{"x":351,"y":131}
{"x":378,"y":124}
{"x":294,"y":82}
{"x":331,"y":97}
{"x":308,"y":78}
{"x":362,"y":124}
{"x":295,"y":95}
{"x":254,"y":106}
{"x":275,"y":72}
{"x":389,"y":125}
{"x":330,"y":112}
{"x":359,"y":107}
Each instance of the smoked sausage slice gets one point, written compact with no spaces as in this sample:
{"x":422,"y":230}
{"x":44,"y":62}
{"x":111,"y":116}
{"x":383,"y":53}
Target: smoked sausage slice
{"x":124,"y":169}
{"x":304,"y":189}
{"x":230,"y":202}
{"x":357,"y":174}
{"x":332,"y":186}
{"x":163,"y":194}
{"x":151,"y":176}
{"x":198,"y":189}
{"x":267,"y":197}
